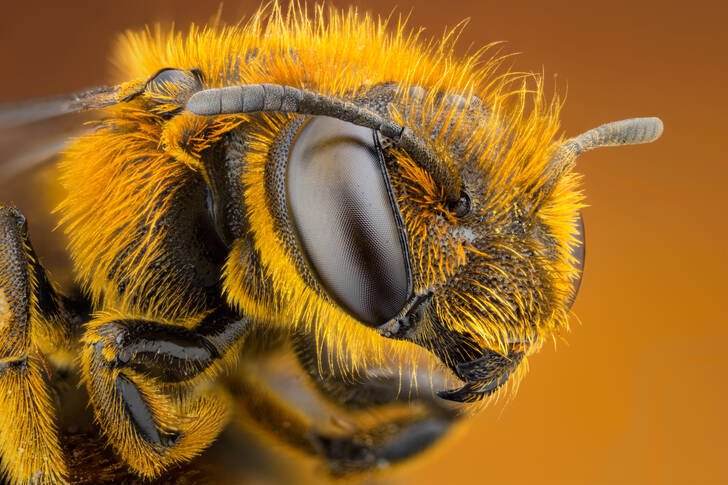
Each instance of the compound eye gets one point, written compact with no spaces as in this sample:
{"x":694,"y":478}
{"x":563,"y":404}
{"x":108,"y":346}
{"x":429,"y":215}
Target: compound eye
{"x":173,"y":86}
{"x":345,"y":218}
{"x":578,"y":252}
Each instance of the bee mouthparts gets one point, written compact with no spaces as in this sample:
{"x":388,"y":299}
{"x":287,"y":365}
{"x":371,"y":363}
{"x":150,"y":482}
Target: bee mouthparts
{"x":411,"y":314}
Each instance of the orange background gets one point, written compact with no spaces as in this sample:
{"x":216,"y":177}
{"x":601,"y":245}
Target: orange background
{"x":638,"y":394}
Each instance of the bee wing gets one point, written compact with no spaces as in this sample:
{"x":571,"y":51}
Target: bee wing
{"x":25,"y":112}
{"x":34,"y":132}
{"x":27,"y":147}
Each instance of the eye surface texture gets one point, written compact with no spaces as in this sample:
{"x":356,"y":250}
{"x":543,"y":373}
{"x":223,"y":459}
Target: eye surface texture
{"x":346,"y":220}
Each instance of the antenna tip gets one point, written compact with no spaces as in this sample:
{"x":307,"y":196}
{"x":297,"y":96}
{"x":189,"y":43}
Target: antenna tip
{"x":652,"y":126}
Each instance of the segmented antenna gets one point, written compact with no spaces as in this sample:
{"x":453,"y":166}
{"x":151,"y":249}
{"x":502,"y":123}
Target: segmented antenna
{"x":632,"y":131}
{"x":253,"y":98}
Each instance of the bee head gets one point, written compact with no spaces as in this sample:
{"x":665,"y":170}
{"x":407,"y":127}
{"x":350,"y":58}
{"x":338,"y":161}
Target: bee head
{"x":494,"y":233}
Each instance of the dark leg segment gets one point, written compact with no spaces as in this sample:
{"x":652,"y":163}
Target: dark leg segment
{"x":416,"y":417}
{"x":391,"y":441}
{"x":30,"y":314}
{"x":172,"y":353}
{"x":370,"y":388}
{"x":344,"y":453}
{"x":138,"y":371}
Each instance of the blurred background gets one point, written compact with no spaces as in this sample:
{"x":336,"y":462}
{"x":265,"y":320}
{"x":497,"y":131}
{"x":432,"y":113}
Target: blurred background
{"x":637,"y":393}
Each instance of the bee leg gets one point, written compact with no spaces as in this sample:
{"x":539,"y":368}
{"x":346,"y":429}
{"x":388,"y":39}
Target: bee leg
{"x":31,"y":313}
{"x":362,"y":389}
{"x":258,"y":405}
{"x":344,"y":453}
{"x":137,"y":373}
{"x":421,"y":421}
{"x":388,"y":442}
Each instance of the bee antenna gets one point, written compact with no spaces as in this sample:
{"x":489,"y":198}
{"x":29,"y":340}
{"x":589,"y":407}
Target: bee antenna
{"x":632,"y":131}
{"x":254,"y":98}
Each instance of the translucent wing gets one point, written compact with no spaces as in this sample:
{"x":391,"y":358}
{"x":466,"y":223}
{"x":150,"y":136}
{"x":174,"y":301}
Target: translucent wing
{"x":26,"y":147}
{"x":33,"y":132}
{"x":22,"y":113}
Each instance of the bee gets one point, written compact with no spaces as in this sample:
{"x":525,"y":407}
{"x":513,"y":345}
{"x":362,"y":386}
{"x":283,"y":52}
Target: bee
{"x":392,"y":216}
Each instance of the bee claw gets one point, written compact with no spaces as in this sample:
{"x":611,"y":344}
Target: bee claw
{"x":454,"y":395}
{"x":471,"y":392}
{"x":483,"y":376}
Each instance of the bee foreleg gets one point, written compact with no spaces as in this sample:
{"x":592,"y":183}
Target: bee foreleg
{"x":390,"y":441}
{"x":172,"y":353}
{"x":417,"y":420}
{"x":30,"y":312}
{"x":132,"y":368}
{"x":361,"y":389}
{"x":344,"y":451}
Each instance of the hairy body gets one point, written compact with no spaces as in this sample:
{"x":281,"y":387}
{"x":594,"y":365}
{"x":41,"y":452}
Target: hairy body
{"x":192,"y":258}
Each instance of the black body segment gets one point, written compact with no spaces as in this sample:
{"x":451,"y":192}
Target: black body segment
{"x":385,"y":445}
{"x":15,"y":286}
{"x":30,"y":307}
{"x":31,"y":316}
{"x":346,"y":220}
{"x":173,"y":353}
{"x":139,"y":414}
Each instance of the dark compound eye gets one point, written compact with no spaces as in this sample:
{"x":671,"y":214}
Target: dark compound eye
{"x":579,"y":253}
{"x":345,"y":218}
{"x":461,"y":207}
{"x":172,"y":86}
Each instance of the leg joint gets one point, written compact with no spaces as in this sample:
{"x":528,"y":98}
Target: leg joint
{"x":14,"y":364}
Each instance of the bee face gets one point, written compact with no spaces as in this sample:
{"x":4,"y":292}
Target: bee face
{"x":500,"y":276}
{"x":489,"y":276}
